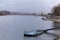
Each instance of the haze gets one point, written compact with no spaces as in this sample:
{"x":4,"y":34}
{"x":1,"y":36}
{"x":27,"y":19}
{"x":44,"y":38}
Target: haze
{"x":28,"y":5}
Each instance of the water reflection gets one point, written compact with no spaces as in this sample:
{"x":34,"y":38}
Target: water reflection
{"x":56,"y":24}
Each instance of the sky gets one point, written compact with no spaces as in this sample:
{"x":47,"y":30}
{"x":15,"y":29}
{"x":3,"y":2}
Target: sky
{"x":28,"y":5}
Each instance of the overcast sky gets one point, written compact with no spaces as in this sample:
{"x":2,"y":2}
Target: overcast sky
{"x":28,"y":5}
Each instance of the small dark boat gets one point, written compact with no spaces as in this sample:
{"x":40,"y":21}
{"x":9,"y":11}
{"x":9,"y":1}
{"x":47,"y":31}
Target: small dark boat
{"x":34,"y":33}
{"x":38,"y":32}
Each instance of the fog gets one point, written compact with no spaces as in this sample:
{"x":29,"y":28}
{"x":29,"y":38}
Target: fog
{"x":28,"y":5}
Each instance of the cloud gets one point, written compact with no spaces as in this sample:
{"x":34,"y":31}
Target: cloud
{"x":28,"y":5}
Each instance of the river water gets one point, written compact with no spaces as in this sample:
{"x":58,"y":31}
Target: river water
{"x":36,"y":23}
{"x":13,"y":27}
